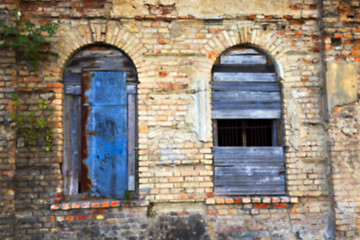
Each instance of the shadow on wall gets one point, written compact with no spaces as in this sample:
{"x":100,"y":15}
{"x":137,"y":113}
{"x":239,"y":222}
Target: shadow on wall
{"x":182,"y":228}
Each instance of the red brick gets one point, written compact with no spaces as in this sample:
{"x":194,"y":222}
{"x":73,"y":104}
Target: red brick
{"x":115,"y":203}
{"x":90,"y":217}
{"x":181,"y":213}
{"x":75,"y":205}
{"x":211,"y":212}
{"x":163,"y":41}
{"x":65,"y":206}
{"x":238,"y":201}
{"x":261,"y":206}
{"x":328,"y":47}
{"x":220,"y":201}
{"x":281,"y":205}
{"x":296,"y":22}
{"x":99,"y":211}
{"x":55,"y":85}
{"x":304,"y":79}
{"x":95,"y":205}
{"x":163,"y":74}
{"x":33,"y":79}
{"x":338,"y":35}
{"x":105,"y":204}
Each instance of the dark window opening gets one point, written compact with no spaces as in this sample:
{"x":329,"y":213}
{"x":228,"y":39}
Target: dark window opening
{"x":245,"y":132}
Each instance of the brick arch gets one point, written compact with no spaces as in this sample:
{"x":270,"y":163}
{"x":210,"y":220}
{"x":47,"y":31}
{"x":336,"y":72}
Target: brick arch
{"x":270,"y":43}
{"x":106,"y":32}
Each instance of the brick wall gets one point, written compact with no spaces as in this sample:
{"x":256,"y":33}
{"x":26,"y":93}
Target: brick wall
{"x":173,"y":52}
{"x":341,"y":43}
{"x":7,"y":137}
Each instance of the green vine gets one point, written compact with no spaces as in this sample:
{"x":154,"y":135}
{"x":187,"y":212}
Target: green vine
{"x":34,"y":126}
{"x":26,"y":37}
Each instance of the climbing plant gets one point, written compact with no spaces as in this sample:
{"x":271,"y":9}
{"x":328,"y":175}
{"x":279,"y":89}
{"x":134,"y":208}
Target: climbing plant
{"x":33,"y":126}
{"x":26,"y":37}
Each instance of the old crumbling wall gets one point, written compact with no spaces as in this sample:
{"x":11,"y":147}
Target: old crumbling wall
{"x":174,"y":45}
{"x":341,"y":44}
{"x":7,"y":136}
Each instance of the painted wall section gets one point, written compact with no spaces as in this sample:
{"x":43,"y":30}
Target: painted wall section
{"x":341,"y":84}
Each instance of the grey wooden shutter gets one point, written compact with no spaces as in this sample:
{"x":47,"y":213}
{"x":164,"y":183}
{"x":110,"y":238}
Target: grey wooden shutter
{"x":245,"y":86}
{"x":245,"y":95}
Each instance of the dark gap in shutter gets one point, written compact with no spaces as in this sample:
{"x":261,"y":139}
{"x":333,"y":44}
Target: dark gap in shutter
{"x":245,"y":132}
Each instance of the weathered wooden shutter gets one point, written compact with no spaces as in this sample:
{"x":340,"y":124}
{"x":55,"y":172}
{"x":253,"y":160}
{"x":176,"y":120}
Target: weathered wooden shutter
{"x":100,"y":60}
{"x":238,"y":94}
{"x":104,"y":146}
{"x":245,"y":86}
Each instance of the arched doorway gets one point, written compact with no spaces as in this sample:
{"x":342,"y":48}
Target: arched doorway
{"x":99,"y":123}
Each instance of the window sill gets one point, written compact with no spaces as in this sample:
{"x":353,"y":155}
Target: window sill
{"x":98,"y":203}
{"x":257,"y":202}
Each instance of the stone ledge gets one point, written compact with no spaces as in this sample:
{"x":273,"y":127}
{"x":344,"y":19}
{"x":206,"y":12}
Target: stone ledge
{"x":93,"y":204}
{"x":278,"y":201}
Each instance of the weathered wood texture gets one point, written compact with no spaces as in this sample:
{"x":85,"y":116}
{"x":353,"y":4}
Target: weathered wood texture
{"x":238,"y":94}
{"x":245,"y":86}
{"x":249,"y":170}
{"x":96,"y":58}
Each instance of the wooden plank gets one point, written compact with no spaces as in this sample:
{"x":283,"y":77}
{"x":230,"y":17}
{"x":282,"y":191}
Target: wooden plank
{"x":247,"y":114}
{"x":247,"y":155}
{"x":74,"y":144}
{"x":245,"y":105}
{"x":244,"y":77}
{"x":248,"y":51}
{"x":244,"y":181}
{"x":215,"y":132}
{"x":249,"y":170}
{"x":246,"y":86}
{"x":67,"y":159}
{"x":243,"y":68}
{"x":109,"y":60}
{"x":250,"y":190}
{"x":248,"y":150}
{"x":247,"y":161}
{"x":131,"y":107}
{"x":73,"y":89}
{"x":243,"y":156}
{"x":245,"y":96}
{"x":242,"y":59}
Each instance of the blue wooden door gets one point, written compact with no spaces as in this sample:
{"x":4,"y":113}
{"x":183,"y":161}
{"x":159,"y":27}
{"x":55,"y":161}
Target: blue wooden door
{"x":104,"y":140}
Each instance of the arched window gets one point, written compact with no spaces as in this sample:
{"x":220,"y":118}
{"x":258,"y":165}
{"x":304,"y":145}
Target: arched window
{"x":246,"y":113}
{"x":99,"y":123}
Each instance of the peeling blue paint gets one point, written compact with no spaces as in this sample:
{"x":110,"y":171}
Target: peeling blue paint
{"x":107,"y":134}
